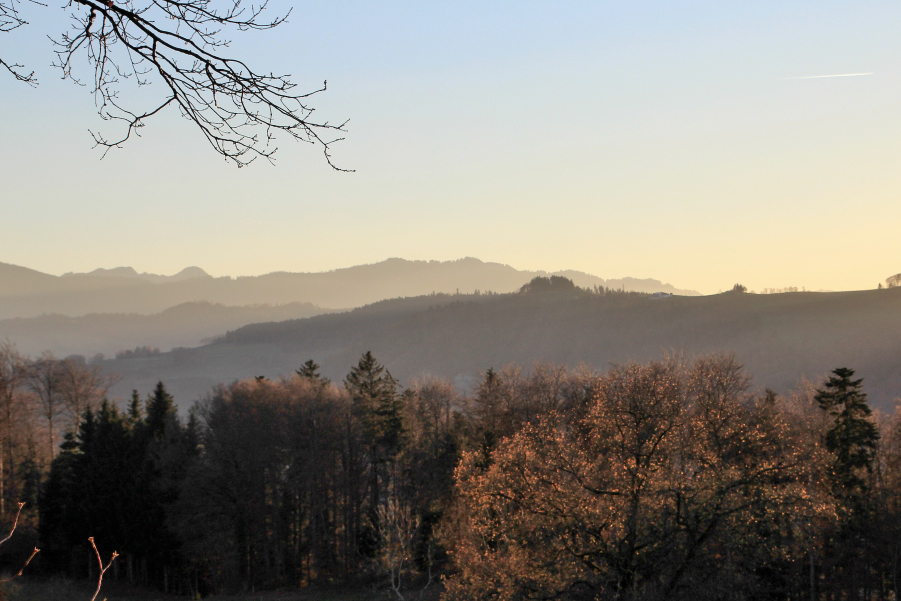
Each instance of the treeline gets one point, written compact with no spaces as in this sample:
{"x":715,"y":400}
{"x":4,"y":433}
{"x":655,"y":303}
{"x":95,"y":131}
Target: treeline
{"x":138,"y":352}
{"x":667,"y":480}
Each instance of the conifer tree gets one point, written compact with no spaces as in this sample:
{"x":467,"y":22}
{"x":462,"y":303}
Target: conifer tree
{"x":853,"y":438}
{"x":160,"y":409}
{"x":853,"y":441}
{"x":192,"y":433}
{"x":117,"y":479}
{"x":489,"y":409}
{"x":135,"y":411}
{"x":310,"y":371}
{"x":375,"y":402}
{"x":59,"y":519}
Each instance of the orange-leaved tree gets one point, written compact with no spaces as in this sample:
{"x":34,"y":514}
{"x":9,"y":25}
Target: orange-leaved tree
{"x":673,"y":483}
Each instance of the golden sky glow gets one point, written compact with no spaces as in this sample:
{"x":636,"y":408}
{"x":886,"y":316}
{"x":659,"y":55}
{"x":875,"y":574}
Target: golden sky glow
{"x":700,"y":144}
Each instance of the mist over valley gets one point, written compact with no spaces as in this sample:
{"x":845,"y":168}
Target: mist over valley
{"x":781,"y":338}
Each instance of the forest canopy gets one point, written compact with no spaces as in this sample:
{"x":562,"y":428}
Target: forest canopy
{"x":671,"y":479}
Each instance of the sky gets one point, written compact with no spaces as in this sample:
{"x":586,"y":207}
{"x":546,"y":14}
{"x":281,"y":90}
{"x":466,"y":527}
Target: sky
{"x":685,"y":141}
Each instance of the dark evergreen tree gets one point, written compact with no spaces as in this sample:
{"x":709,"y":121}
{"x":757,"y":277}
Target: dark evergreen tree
{"x":60,"y":521}
{"x":160,"y":411}
{"x":853,"y":438}
{"x":88,"y":481}
{"x":379,"y":409}
{"x":116,"y":480}
{"x":135,"y":411}
{"x":310,"y":371}
{"x":166,"y":455}
{"x":28,"y":474}
{"x":489,"y":410}
{"x":378,"y":405}
{"x":192,"y":433}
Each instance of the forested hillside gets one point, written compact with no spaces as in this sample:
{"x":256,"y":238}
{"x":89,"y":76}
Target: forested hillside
{"x":780,"y":337}
{"x":668,"y":480}
{"x":557,"y":442}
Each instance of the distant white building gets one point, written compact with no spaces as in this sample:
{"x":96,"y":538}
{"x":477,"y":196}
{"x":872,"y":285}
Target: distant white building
{"x":659,"y":295}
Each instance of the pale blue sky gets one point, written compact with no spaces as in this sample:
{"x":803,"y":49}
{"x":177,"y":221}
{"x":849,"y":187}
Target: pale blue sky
{"x":644,"y":139}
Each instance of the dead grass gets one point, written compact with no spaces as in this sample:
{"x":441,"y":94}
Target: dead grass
{"x":67,"y":590}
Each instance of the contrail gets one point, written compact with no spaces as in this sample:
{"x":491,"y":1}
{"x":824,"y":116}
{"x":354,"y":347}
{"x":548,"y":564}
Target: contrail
{"x":824,"y":76}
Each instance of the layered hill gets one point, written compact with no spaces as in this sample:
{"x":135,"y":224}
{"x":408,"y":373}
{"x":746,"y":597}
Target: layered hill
{"x":28,"y":293}
{"x":188,"y":324}
{"x":780,"y":337}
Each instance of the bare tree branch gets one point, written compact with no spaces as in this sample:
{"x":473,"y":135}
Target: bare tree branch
{"x":9,"y":536}
{"x":103,"y":568}
{"x":180,"y":44}
{"x":10,"y":19}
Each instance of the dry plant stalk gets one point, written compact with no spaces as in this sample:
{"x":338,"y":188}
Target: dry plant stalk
{"x":103,"y":568}
{"x":9,"y":536}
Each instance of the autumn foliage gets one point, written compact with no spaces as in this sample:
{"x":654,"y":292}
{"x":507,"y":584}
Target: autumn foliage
{"x":673,"y":482}
{"x":673,"y":479}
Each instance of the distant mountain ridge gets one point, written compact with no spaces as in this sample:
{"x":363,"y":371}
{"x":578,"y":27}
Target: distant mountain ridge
{"x":29,"y":293}
{"x":13,"y":277}
{"x":129,"y":272}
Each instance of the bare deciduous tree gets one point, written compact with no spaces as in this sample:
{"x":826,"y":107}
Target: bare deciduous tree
{"x":65,"y":386}
{"x":45,"y":379}
{"x":397,"y":531}
{"x":82,"y":387}
{"x":13,"y":370}
{"x":181,"y":45}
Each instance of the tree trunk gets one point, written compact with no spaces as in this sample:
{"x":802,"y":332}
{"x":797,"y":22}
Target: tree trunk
{"x":50,"y":435}
{"x":2,"y":488}
{"x":813,"y":576}
{"x":12,"y":460}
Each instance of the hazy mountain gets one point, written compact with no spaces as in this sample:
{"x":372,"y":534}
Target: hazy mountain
{"x":129,"y":272}
{"x":21,"y":280}
{"x":780,"y":337}
{"x":188,"y":324}
{"x":26,"y":293}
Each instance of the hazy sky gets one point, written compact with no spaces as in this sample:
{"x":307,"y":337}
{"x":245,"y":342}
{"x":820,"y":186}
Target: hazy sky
{"x":685,"y":141}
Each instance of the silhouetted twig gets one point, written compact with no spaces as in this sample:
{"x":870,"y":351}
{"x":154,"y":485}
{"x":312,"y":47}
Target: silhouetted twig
{"x":179,"y":44}
{"x":8,"y":536}
{"x":103,"y":568}
{"x":11,"y":19}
